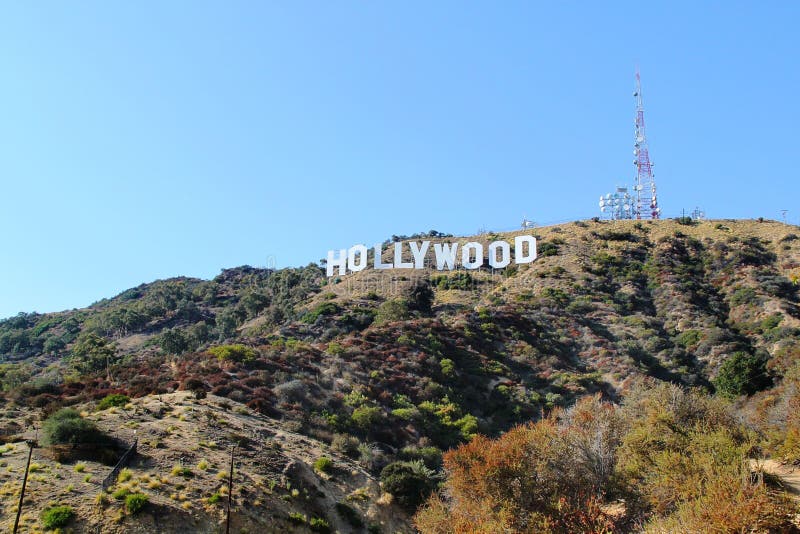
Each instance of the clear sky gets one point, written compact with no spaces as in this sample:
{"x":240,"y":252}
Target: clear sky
{"x":143,"y":140}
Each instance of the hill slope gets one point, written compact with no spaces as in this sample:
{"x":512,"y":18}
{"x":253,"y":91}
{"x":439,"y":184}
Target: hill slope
{"x":384,"y":370}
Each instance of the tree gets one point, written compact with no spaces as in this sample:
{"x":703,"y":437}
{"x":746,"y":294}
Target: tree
{"x":742,"y":374}
{"x":226,"y":324}
{"x":92,"y":353}
{"x":420,"y":296}
{"x":174,"y":341}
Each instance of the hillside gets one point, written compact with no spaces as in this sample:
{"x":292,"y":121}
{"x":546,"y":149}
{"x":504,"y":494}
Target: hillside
{"x":378,"y":367}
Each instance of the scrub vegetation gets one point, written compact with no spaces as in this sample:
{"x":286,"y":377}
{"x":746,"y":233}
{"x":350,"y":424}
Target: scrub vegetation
{"x":630,"y":378}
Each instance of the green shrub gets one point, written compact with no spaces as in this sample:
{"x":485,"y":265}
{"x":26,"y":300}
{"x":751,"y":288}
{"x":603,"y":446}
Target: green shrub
{"x":317,"y":524}
{"x":67,"y":427}
{"x":448,"y":367}
{"x":770,"y":322}
{"x":744,"y":295}
{"x":124,"y":475}
{"x":547,"y":249}
{"x":57,"y":516}
{"x":237,"y":353}
{"x":326,"y":308}
{"x":135,"y":502}
{"x":174,"y":341}
{"x":349,"y":514}
{"x":742,"y":374}
{"x":215,"y":498}
{"x":409,"y":482}
{"x":364,"y":417}
{"x":115,"y":400}
{"x":688,"y":338}
{"x":460,"y":280}
{"x":323,"y":464}
{"x":392,"y":310}
{"x":420,"y":296}
{"x":297,"y":518}
{"x":430,"y":456}
{"x":334,"y":348}
{"x":120,"y":493}
{"x":92,"y":353}
{"x":179,"y":470}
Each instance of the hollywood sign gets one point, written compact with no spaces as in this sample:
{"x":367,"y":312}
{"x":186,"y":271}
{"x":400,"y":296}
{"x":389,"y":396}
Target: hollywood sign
{"x":499,"y":255}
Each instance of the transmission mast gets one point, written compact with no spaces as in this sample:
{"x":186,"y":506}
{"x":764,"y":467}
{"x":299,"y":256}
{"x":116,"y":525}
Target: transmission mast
{"x":645,"y":188}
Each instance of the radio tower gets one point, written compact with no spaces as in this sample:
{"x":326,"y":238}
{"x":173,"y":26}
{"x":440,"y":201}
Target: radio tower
{"x":645,"y":188}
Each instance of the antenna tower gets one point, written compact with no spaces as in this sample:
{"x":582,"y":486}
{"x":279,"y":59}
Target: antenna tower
{"x":645,"y":188}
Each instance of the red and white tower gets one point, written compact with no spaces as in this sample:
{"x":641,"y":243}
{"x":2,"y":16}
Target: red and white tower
{"x":645,"y":188}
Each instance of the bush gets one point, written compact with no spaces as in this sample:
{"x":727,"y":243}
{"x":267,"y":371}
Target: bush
{"x":179,"y":470}
{"x":67,"y":427}
{"x":317,"y":524}
{"x":742,"y":374}
{"x":460,"y":280}
{"x":57,"y":516}
{"x":420,"y":296}
{"x":326,"y":308}
{"x":135,"y":502}
{"x":323,"y":464}
{"x":365,"y":417}
{"x":547,"y":249}
{"x":237,"y":353}
{"x":113,"y":400}
{"x":744,"y":295}
{"x":447,"y":366}
{"x":124,"y":475}
{"x":292,"y":391}
{"x":392,"y":310}
{"x":409,"y":482}
{"x":349,"y":514}
{"x":297,"y":518}
{"x":430,"y":456}
{"x":345,"y":443}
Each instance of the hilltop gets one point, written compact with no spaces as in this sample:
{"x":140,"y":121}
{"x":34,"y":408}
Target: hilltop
{"x":378,"y":367}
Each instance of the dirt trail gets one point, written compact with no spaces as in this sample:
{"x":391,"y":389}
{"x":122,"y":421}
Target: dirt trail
{"x":789,"y":475}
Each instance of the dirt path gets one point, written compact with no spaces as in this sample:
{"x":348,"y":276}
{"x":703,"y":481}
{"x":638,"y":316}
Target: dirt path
{"x":789,"y":475}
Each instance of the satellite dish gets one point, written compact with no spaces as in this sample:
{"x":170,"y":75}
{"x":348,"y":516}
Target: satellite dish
{"x":602,"y":204}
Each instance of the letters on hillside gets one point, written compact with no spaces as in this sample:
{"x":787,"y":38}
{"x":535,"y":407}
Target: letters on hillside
{"x":445,"y":255}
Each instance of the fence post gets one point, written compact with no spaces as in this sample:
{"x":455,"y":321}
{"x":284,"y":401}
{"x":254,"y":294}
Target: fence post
{"x":31,"y":445}
{"x":230,"y":494}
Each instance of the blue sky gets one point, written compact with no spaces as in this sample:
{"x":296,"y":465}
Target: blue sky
{"x":143,"y":140}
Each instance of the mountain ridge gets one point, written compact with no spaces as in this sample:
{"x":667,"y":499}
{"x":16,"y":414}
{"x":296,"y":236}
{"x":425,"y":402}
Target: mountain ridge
{"x":398,"y":366}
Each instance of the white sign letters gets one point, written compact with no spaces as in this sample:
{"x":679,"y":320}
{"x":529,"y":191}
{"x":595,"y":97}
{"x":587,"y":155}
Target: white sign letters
{"x":445,"y":256}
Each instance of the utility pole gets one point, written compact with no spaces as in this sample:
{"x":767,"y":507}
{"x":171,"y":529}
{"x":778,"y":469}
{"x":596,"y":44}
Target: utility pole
{"x":31,"y":445}
{"x":230,"y":494}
